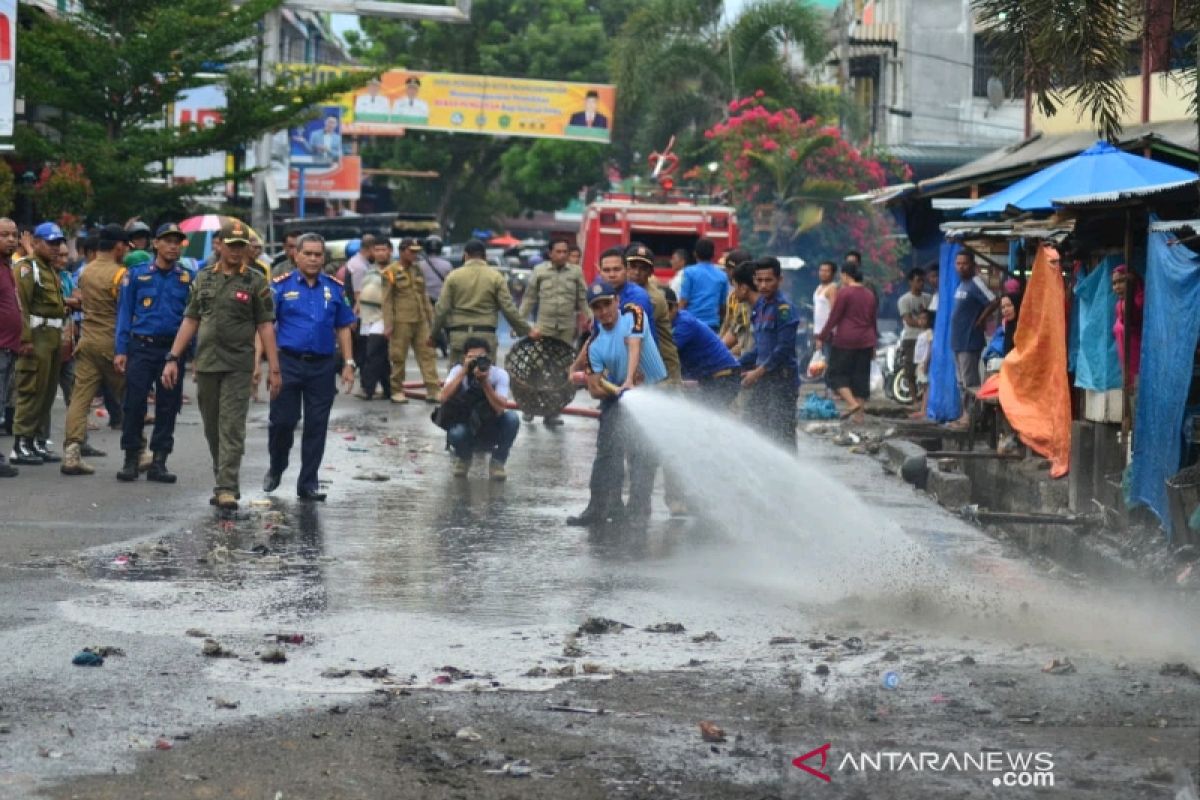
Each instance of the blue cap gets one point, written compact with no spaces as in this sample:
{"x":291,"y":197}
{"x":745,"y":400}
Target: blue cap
{"x":48,"y":232}
{"x":600,"y":291}
{"x":166,"y":229}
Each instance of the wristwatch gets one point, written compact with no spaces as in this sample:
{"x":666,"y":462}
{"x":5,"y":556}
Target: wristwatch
{"x":171,"y":358}
{"x":351,"y":363}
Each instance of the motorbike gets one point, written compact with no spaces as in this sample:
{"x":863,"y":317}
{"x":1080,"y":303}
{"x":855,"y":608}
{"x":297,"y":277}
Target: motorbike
{"x":896,"y":384}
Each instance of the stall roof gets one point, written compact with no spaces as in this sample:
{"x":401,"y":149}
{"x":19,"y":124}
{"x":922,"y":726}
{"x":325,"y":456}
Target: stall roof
{"x":1040,"y":150}
{"x":1140,"y":193}
{"x":1172,"y":225}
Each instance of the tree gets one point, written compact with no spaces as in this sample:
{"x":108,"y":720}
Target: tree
{"x":105,"y":76}
{"x":484,"y":178}
{"x":788,"y":175}
{"x":677,"y":65}
{"x":1078,"y":49}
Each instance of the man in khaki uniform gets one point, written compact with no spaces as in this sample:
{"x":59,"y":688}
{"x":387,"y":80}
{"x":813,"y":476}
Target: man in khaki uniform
{"x":43,"y":319}
{"x":229,"y":303}
{"x":558,"y":292}
{"x":473,"y":297}
{"x":407,"y":316}
{"x":99,"y":290}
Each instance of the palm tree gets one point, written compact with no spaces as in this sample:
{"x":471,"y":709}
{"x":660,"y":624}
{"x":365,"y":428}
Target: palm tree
{"x":1076,"y":50}
{"x":678,"y":63}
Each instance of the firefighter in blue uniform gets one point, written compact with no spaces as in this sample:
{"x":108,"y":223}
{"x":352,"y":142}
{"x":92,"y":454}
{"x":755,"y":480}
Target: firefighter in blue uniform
{"x":149,"y":313}
{"x":312,"y":320}
{"x":772,"y":378}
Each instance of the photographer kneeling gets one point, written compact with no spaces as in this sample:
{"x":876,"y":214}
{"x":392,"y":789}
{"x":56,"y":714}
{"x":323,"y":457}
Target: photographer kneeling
{"x":473,"y":411}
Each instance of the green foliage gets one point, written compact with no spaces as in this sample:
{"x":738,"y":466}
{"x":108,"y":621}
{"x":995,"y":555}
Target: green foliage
{"x":8,"y":189}
{"x":112,"y":69}
{"x":1068,"y":50}
{"x":63,"y":194}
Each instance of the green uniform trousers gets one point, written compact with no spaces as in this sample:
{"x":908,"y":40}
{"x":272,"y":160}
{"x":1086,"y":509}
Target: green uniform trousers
{"x":459,"y":338}
{"x":224,"y":402}
{"x":416,"y":336}
{"x":93,"y":369}
{"x":37,"y":383}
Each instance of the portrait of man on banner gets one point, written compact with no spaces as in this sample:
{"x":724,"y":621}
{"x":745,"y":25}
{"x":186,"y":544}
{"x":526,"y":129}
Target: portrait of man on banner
{"x":319,"y":142}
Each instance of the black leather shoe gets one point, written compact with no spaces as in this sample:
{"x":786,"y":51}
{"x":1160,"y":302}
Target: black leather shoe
{"x":7,"y":470}
{"x":48,"y":456}
{"x":591,"y":515}
{"x":87,"y":451}
{"x":311,"y":495}
{"x":129,"y":470}
{"x":271,"y":481}
{"x":158,"y":471}
{"x":23,"y":453}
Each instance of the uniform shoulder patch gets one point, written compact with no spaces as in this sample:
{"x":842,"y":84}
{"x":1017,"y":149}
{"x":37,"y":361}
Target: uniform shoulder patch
{"x":639,"y":316}
{"x":336,"y":280}
{"x":785,"y":312}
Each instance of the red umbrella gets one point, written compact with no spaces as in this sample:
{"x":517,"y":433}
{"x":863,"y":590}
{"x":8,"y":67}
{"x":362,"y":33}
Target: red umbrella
{"x":506,"y":240}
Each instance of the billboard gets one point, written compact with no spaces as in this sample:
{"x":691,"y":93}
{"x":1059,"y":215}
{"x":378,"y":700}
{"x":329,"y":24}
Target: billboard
{"x":405,"y":99}
{"x":8,"y":65}
{"x":338,"y":181}
{"x":319,"y":141}
{"x":204,"y":107}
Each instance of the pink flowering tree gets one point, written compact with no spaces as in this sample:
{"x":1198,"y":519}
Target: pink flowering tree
{"x":788,"y":176}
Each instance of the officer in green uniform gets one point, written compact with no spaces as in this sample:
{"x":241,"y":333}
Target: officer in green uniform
{"x":407,"y":315}
{"x":229,"y":303}
{"x":43,"y":318}
{"x":473,"y":297}
{"x":558,"y":292}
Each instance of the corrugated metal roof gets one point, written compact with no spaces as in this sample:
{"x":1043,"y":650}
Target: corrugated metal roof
{"x":1173,"y":225}
{"x":882,"y":194}
{"x":1101,"y":198}
{"x":1041,"y":150}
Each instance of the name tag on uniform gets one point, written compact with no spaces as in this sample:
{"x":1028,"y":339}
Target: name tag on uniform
{"x":241,"y":296}
{"x":144,"y":277}
{"x":291,"y":295}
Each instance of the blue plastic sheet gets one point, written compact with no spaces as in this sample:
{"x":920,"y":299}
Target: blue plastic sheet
{"x":945,"y":404}
{"x":1097,"y":366}
{"x":1169,"y":334}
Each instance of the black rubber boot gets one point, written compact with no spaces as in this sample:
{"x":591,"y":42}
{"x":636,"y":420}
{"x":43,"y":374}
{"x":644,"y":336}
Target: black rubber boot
{"x":158,"y":470}
{"x":129,"y":471}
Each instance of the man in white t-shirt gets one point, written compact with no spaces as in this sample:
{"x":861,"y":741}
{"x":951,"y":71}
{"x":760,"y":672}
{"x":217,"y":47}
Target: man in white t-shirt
{"x":474,"y":410}
{"x":910,"y":305}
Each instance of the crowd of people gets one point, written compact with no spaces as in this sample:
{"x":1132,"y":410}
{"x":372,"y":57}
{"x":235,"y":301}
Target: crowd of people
{"x":133,"y":315}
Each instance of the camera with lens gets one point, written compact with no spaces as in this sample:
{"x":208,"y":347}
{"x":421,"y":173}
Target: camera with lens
{"x":481,"y":363}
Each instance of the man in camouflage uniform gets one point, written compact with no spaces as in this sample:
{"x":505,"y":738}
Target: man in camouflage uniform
{"x":99,"y":290}
{"x":229,"y":303}
{"x":558,"y":292}
{"x":43,"y":320}
{"x":472,"y":299}
{"x":407,"y":317}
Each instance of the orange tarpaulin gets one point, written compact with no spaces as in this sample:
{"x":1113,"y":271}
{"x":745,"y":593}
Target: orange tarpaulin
{"x":1033,"y":377}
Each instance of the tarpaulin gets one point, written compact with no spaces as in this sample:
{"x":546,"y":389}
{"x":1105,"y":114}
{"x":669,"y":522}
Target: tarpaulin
{"x":1033,"y":378}
{"x":1169,"y":333}
{"x":1097,"y":366}
{"x":945,"y":405}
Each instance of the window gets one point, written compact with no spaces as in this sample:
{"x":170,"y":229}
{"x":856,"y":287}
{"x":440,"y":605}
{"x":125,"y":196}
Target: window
{"x":987,"y":65}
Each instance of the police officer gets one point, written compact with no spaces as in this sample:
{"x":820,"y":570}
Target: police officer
{"x":772,"y":376}
{"x":99,"y":288}
{"x":149,"y":314}
{"x":407,"y":316}
{"x":559,"y":293}
{"x":473,"y":297}
{"x":311,"y":317}
{"x":229,"y":303}
{"x":43,"y":318}
{"x":620,"y":353}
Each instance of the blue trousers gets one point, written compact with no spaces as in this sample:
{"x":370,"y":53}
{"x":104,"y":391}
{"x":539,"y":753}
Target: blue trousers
{"x":499,"y":440}
{"x":143,"y":372}
{"x":308,"y":386}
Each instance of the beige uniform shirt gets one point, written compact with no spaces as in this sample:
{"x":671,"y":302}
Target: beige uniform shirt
{"x":404,"y":297}
{"x":476,"y":294}
{"x":99,"y":289}
{"x":558,"y":293}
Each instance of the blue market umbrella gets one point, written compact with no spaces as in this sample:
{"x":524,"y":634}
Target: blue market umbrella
{"x":1100,"y":168}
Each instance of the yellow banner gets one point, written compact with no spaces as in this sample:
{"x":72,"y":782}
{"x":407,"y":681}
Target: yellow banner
{"x":403,"y":99}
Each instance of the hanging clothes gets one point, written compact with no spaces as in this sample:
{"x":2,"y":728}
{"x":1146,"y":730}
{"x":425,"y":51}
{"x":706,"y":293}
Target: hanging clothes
{"x":1169,"y":334}
{"x":945,"y":403}
{"x":1097,"y":367}
{"x":1033,"y":378}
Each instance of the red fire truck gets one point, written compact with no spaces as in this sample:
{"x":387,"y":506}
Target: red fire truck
{"x":663,"y":225}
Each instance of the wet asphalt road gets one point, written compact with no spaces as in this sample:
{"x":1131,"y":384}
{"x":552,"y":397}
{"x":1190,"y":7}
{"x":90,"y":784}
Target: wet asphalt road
{"x":420,"y":572}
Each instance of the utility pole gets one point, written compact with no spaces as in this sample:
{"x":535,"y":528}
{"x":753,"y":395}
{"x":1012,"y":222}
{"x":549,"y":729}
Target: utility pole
{"x":844,"y":14}
{"x":260,"y":216}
